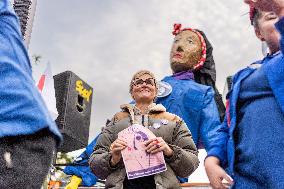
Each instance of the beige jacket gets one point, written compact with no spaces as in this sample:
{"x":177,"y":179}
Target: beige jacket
{"x":173,"y":130}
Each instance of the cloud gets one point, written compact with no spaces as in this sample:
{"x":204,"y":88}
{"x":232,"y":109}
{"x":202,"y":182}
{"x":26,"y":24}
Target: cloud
{"x":106,"y":42}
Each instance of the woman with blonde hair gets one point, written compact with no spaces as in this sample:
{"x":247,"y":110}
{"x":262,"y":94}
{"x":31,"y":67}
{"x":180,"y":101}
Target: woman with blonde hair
{"x":172,"y":138}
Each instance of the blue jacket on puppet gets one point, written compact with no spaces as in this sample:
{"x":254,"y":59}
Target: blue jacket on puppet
{"x":195,"y":104}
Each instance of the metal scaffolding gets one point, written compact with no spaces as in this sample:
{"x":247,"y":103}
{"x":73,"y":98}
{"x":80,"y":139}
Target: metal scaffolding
{"x":25,"y":9}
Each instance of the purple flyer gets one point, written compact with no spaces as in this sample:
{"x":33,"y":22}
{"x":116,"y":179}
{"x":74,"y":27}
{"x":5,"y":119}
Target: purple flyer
{"x":139,"y":163}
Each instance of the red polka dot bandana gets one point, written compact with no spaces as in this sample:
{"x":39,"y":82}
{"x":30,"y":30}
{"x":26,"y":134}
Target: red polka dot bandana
{"x":178,"y":29}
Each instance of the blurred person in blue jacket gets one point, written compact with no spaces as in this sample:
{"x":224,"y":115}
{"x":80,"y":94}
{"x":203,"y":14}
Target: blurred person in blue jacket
{"x":189,"y":93}
{"x":250,"y":143}
{"x":28,"y":135}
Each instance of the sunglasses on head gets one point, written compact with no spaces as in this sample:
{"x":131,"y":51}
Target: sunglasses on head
{"x":148,"y":81}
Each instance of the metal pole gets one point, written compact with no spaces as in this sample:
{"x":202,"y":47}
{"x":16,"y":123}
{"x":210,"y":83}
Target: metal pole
{"x":25,"y":9}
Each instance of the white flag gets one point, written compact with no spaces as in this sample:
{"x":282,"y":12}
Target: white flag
{"x":46,"y":88}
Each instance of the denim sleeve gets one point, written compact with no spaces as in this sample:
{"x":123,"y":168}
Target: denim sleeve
{"x":280,"y":27}
{"x":8,"y":19}
{"x":218,"y":146}
{"x":22,"y":108}
{"x":214,"y":134}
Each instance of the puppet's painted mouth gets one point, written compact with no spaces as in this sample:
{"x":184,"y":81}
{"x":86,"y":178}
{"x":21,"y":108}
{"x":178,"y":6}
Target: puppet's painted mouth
{"x":177,"y":55}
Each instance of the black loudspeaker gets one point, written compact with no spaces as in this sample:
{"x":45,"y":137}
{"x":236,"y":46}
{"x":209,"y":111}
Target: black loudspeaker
{"x":73,"y":102}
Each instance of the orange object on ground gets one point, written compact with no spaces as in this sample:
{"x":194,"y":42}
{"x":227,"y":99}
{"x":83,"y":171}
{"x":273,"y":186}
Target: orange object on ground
{"x":54,"y":184}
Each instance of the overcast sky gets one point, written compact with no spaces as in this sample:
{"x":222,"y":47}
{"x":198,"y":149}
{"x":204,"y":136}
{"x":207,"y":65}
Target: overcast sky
{"x":106,"y":41}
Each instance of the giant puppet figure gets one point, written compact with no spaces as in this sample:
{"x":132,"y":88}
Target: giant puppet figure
{"x":189,"y":93}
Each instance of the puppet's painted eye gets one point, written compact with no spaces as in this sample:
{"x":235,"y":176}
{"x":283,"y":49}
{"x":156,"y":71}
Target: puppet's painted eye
{"x":190,"y":41}
{"x":138,"y":137}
